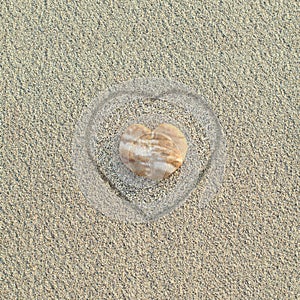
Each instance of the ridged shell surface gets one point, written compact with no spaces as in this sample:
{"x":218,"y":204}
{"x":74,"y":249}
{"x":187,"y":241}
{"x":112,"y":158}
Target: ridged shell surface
{"x":153,"y":154}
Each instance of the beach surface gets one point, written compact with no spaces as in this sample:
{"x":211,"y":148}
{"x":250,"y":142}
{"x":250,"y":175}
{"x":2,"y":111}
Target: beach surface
{"x":56,"y":57}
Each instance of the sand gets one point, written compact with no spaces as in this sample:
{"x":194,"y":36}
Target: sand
{"x":242,"y":58}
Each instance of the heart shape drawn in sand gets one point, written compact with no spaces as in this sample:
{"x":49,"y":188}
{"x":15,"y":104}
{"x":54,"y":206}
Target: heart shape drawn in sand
{"x":153,"y":154}
{"x":111,"y":187}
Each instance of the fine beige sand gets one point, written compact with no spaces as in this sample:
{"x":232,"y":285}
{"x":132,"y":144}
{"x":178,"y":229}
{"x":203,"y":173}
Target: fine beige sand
{"x":55,"y":57}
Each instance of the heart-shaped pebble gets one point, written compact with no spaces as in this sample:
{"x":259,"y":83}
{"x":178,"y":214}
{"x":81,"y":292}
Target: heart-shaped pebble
{"x":153,"y":154}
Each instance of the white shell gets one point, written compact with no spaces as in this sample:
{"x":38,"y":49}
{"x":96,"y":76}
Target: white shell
{"x":153,"y":154}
